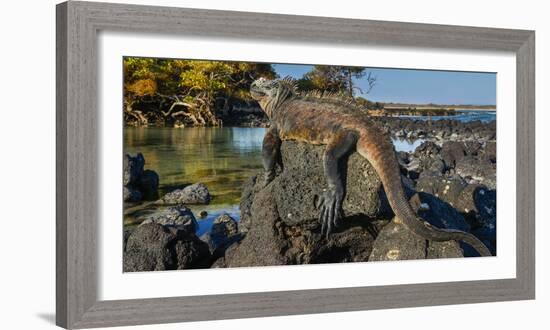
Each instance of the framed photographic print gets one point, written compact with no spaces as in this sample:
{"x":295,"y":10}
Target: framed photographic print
{"x":216,"y":165}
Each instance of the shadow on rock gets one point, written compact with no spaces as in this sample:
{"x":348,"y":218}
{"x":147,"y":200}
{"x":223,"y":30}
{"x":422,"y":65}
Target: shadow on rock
{"x":281,"y":227}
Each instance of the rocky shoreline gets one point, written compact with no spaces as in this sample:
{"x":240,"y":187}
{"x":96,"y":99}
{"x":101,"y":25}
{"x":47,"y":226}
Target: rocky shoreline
{"x":450,"y":180}
{"x":440,"y":130}
{"x":281,"y":223}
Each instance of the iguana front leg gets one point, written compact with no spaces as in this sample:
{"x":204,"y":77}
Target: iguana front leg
{"x":270,"y":153}
{"x":331,"y":201}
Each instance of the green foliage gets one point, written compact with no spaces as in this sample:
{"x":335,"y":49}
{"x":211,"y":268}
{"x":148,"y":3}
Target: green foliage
{"x":337,"y":79}
{"x":136,"y":68}
{"x":139,"y":80}
{"x":152,"y":85}
{"x":205,"y":76}
{"x":325,"y":78}
{"x":142,"y":87}
{"x":200,"y":91}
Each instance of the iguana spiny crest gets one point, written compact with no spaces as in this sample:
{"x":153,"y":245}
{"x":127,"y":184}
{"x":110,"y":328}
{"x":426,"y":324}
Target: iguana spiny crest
{"x":319,"y":121}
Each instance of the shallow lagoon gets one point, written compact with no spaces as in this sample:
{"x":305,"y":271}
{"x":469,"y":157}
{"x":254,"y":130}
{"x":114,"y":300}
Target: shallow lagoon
{"x":221,"y":158}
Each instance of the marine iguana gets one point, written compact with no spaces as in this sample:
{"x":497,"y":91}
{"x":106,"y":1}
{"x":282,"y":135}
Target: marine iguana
{"x":341,"y":128}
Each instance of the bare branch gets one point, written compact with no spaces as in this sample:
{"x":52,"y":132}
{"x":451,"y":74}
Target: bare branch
{"x":371,"y":80}
{"x":185,"y":104}
{"x":187,"y":115}
{"x":137,"y":115}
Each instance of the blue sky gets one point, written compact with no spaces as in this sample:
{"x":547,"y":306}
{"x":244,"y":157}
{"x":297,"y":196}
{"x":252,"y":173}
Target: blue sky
{"x":419,"y":86}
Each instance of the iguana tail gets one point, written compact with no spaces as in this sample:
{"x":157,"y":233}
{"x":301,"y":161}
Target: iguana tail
{"x":379,"y":152}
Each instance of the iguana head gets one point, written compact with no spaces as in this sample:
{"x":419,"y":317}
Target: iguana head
{"x":263,"y":88}
{"x":270,"y":94}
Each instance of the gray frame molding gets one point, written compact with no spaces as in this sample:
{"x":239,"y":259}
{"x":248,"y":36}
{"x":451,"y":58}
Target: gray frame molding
{"x":77,"y":154}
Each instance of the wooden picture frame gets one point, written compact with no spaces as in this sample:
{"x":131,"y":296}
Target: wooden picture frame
{"x":78,"y":24}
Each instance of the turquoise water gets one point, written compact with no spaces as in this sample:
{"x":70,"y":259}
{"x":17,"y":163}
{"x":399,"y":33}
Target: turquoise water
{"x":463,"y":115}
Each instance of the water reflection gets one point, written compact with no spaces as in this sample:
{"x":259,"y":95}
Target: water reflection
{"x":247,"y":139}
{"x":406,"y":145}
{"x":221,"y":158}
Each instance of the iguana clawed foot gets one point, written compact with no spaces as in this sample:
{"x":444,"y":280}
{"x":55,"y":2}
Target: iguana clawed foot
{"x":331,"y":210}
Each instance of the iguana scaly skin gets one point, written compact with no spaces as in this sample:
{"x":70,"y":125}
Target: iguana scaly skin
{"x":321,"y":121}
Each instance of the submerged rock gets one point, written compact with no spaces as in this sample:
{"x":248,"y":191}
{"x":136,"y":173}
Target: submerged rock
{"x":194,"y":194}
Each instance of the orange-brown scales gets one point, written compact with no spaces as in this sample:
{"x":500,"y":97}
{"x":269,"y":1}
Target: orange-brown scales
{"x":331,"y":120}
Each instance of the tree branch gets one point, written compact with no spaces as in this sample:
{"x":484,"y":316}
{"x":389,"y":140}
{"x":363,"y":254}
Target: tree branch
{"x":185,"y":104}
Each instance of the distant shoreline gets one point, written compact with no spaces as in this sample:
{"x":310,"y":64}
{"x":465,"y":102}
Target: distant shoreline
{"x":437,"y":107}
{"x":476,"y":109}
{"x":428,"y":110}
